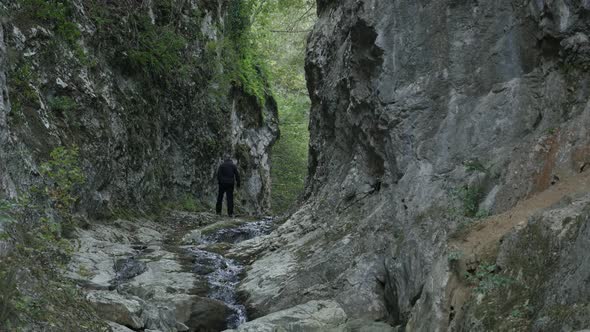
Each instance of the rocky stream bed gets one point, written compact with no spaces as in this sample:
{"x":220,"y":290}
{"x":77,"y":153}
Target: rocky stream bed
{"x":182,"y":272}
{"x":165,"y":275}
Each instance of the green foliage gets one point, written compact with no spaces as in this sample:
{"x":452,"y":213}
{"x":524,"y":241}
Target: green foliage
{"x":62,"y":104}
{"x":289,"y":154}
{"x":64,"y":174}
{"x":252,"y":77}
{"x":140,"y":47}
{"x":474,"y":165}
{"x":21,"y":92}
{"x":280,"y":29}
{"x":469,"y":197}
{"x":158,"y":51}
{"x":242,"y":64}
{"x":517,"y":313}
{"x":455,"y":256}
{"x":486,"y":279}
{"x":55,"y":12}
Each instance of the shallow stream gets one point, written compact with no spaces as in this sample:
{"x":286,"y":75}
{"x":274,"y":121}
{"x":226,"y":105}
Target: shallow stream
{"x":223,"y":274}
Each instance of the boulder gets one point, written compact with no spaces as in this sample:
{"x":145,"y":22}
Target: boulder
{"x":192,"y":237}
{"x":124,"y":310}
{"x":208,"y":315}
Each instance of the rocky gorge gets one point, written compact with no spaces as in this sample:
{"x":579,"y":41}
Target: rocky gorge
{"x":448,"y":185}
{"x":428,"y":116}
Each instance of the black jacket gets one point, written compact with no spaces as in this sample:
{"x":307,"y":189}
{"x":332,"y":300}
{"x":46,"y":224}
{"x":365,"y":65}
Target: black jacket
{"x":227,"y":172}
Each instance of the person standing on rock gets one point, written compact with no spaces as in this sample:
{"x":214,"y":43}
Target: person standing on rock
{"x":227,"y":175}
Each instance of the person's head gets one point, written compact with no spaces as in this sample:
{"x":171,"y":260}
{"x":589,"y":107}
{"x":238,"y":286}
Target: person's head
{"x":227,"y":157}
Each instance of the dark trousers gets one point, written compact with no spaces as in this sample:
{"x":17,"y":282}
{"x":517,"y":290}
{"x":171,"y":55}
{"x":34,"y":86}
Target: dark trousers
{"x":226,"y":188}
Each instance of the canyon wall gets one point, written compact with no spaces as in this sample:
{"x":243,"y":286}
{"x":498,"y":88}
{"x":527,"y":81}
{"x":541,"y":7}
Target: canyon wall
{"x":426,"y":117}
{"x":143,"y":91}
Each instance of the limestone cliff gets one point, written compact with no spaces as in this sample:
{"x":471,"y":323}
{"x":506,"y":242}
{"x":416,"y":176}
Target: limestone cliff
{"x":141,"y":89}
{"x":426,"y":115}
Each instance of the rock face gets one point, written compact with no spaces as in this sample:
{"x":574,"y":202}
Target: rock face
{"x":149,"y":134}
{"x":424,"y":115}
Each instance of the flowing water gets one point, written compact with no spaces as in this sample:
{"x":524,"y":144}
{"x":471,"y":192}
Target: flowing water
{"x":223,"y":274}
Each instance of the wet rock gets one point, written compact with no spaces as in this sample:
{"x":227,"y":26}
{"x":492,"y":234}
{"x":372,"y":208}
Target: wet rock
{"x":127,"y":268}
{"x":241,"y":233}
{"x":192,"y":237}
{"x":150,"y":289}
{"x":222,"y":275}
{"x":208,"y":315}
{"x":311,"y":316}
{"x":159,"y":317}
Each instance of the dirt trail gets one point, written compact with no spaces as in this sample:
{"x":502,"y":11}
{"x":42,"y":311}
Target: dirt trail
{"x":480,"y":243}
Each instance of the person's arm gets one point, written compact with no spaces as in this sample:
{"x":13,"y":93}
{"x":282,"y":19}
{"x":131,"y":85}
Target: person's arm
{"x":237,"y":175}
{"x":219,"y":174}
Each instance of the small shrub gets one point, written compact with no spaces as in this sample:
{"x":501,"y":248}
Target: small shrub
{"x":191,"y":204}
{"x":455,"y":256}
{"x":55,"y":12}
{"x":474,"y":165}
{"x":486,"y":279}
{"x":62,"y":104}
{"x":63,"y":175}
{"x":516,"y":313}
{"x":21,"y":91}
{"x":158,"y":51}
{"x":469,"y":198}
{"x":483,"y":213}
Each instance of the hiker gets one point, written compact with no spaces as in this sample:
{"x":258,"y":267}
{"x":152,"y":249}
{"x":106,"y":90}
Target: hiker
{"x":226,"y":173}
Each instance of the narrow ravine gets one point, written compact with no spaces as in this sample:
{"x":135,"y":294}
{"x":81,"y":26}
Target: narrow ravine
{"x":221,"y":273}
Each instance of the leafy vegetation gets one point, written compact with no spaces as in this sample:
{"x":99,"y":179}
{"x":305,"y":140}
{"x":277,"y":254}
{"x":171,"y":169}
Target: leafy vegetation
{"x":157,"y":51}
{"x":474,"y":165}
{"x":137,"y":45}
{"x":63,"y":176}
{"x":455,"y":256}
{"x":62,"y":104}
{"x":22,"y":93}
{"x":57,"y":13}
{"x":487,"y":279}
{"x":469,"y":198}
{"x":280,"y":29}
